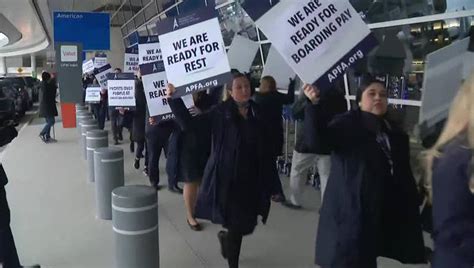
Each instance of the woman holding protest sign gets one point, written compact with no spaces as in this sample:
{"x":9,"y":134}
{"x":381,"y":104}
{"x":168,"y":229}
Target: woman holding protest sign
{"x":189,"y":154}
{"x":362,"y":216}
{"x":236,"y":185}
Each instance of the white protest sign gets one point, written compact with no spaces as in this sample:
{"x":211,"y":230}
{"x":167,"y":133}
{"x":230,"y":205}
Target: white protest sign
{"x":130,"y":63}
{"x":193,"y":51}
{"x":93,"y":94}
{"x":99,"y":62}
{"x":88,"y":66}
{"x":101,"y":75}
{"x":319,"y":39}
{"x":154,"y":84}
{"x":277,"y":67}
{"x":130,"y":60}
{"x":121,"y":90}
{"x":149,"y":51}
{"x":241,"y":53}
{"x":155,"y":91}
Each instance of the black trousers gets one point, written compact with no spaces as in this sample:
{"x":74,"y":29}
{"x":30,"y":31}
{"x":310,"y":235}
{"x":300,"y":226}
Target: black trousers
{"x":233,"y":244}
{"x":277,"y":188}
{"x":139,"y":150}
{"x":8,"y":253}
{"x":157,"y":137}
{"x":115,"y":123}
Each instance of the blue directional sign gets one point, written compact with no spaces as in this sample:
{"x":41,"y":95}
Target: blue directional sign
{"x":92,"y":29}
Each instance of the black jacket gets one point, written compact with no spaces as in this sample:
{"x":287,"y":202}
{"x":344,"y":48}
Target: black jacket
{"x":217,"y":194}
{"x":332,"y":103}
{"x":367,"y":211}
{"x":3,"y":177}
{"x":271,"y":105}
{"x":139,"y":119}
{"x":453,"y":206}
{"x":47,"y":107}
{"x":193,"y":140}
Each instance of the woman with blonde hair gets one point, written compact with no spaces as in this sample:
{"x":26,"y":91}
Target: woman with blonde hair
{"x":449,"y":168}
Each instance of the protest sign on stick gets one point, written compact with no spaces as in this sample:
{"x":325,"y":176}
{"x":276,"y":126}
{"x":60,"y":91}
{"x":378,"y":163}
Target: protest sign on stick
{"x":193,"y":50}
{"x":319,"y":39}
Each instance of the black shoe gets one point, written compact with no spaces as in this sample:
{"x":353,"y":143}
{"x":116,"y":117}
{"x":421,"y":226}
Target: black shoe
{"x":136,"y":164}
{"x":120,"y":137}
{"x":31,"y":266}
{"x":145,"y":171}
{"x":175,"y":189}
{"x":116,"y":142}
{"x":221,"y":235}
{"x":278,"y":198}
{"x":132,"y":147}
{"x":158,"y":187}
{"x":289,"y":204}
{"x":43,"y":138}
{"x":196,"y":227}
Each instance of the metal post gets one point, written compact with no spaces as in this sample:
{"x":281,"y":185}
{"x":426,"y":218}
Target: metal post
{"x":135,"y":224}
{"x":86,"y":125}
{"x":109,"y":174}
{"x":94,"y":139}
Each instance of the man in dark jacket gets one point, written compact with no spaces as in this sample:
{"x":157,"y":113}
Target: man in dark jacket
{"x":271,"y":104}
{"x":157,"y":136}
{"x":305,"y":157}
{"x":47,"y":108}
{"x":139,"y":121}
{"x":115,"y":119}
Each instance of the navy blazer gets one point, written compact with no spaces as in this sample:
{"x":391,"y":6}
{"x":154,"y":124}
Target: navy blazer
{"x":453,"y":207}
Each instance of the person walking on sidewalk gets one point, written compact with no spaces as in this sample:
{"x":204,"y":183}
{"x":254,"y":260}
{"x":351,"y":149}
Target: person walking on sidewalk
{"x":236,"y":187}
{"x":271,"y":103}
{"x":332,"y":102}
{"x":47,"y":107}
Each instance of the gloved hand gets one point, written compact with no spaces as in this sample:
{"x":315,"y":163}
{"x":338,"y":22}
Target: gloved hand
{"x":292,"y":84}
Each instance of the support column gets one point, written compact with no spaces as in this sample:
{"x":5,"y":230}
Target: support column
{"x":3,"y":66}
{"x":33,"y":65}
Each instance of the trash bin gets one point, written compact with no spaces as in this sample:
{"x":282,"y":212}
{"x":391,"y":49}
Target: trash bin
{"x":135,"y":224}
{"x":108,"y":174}
{"x":86,"y":125}
{"x":94,"y":139}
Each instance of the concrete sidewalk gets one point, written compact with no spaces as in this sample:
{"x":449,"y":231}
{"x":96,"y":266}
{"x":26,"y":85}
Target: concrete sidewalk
{"x":54,"y":223}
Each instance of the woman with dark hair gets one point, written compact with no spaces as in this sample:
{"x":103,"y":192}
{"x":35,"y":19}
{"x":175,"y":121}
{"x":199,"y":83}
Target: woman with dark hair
{"x":47,"y":107}
{"x":194,"y":149}
{"x":236,"y":185}
{"x":370,"y":206}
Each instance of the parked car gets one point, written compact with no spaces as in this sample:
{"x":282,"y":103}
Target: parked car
{"x":11,"y":93}
{"x":20,"y":84}
{"x":7,"y":110}
{"x":35,"y":85}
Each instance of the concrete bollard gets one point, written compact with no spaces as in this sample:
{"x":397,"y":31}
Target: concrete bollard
{"x":81,"y":107}
{"x":135,"y":224}
{"x":86,"y":125}
{"x":82,"y":115}
{"x":109,"y":174}
{"x":94,"y":139}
